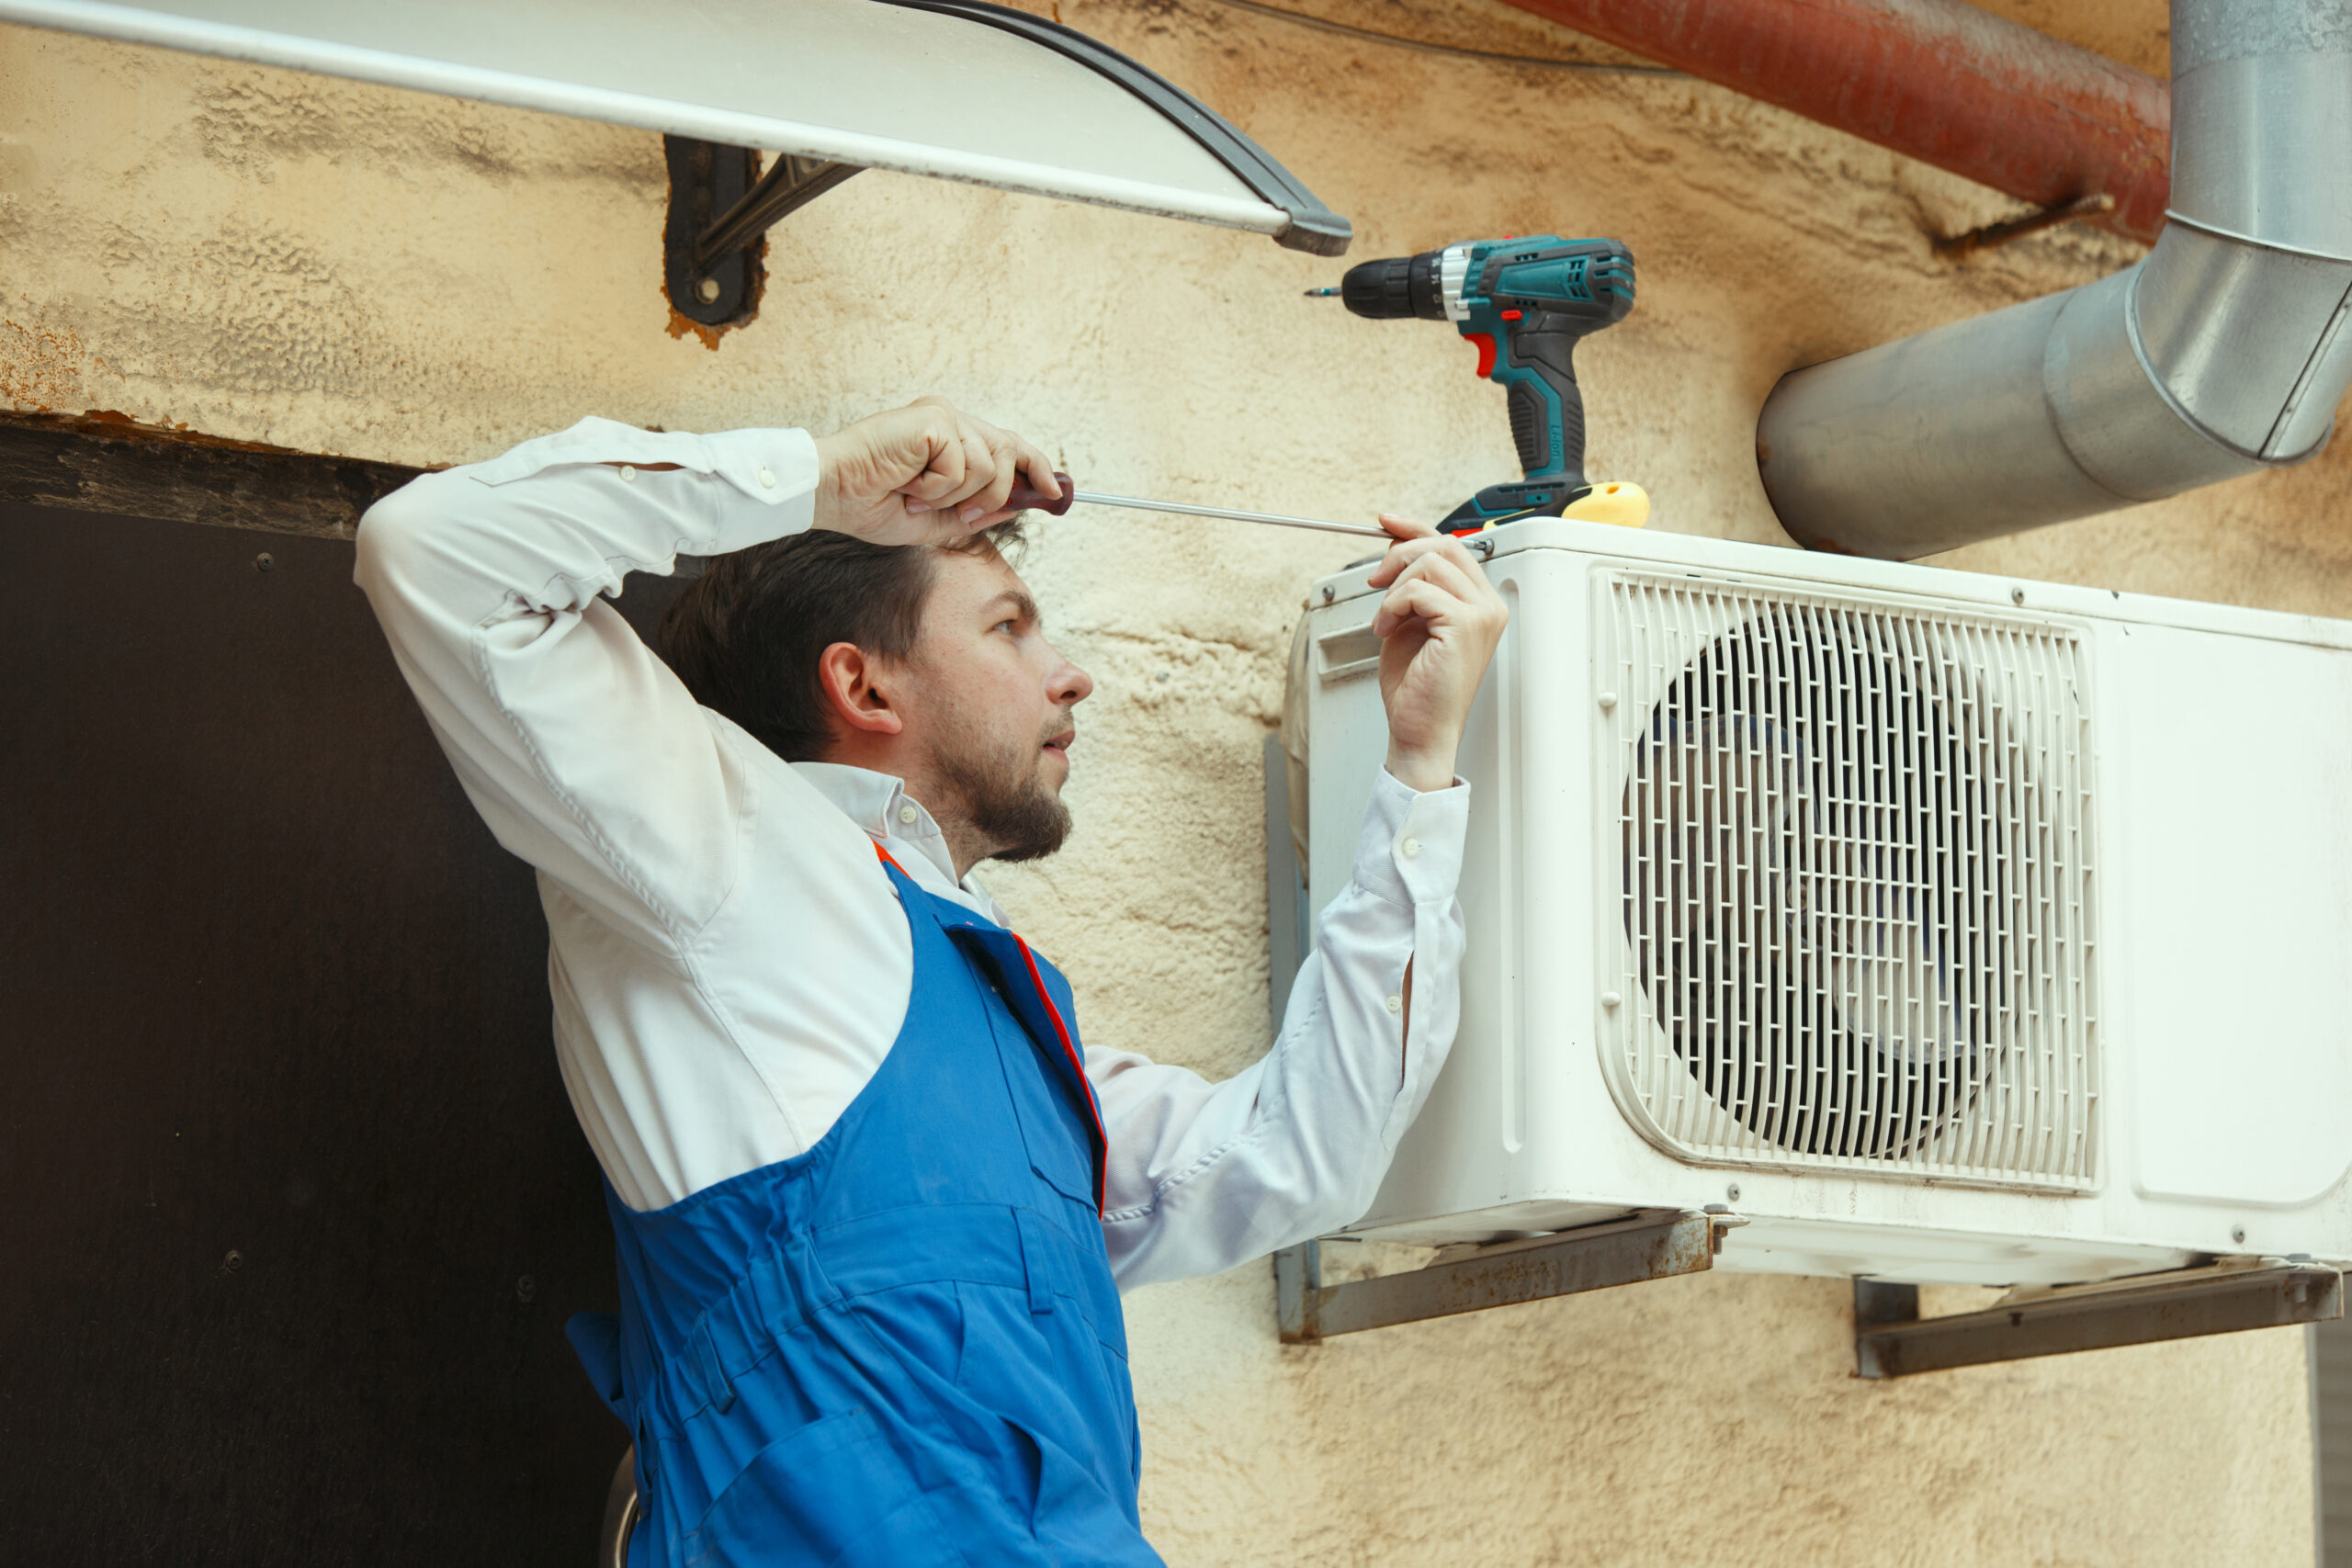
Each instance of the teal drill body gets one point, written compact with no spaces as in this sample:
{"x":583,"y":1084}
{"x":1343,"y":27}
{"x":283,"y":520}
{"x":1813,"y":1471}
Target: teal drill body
{"x":1523,"y":302}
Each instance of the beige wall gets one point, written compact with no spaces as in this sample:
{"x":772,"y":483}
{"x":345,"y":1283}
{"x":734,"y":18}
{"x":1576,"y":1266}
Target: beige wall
{"x":333,"y":267}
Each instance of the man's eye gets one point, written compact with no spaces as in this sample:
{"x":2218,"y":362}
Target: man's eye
{"x":1005,"y":625}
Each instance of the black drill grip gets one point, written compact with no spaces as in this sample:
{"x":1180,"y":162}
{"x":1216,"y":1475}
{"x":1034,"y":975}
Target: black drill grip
{"x":1545,"y":345}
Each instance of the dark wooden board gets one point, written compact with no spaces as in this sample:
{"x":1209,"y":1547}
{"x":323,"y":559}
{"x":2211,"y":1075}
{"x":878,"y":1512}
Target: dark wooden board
{"x":283,"y":1136}
{"x":110,"y":465}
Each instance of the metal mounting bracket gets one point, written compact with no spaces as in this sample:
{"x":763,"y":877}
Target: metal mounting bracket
{"x":718,"y":212}
{"x":1651,"y":1244}
{"x":1892,"y":1341}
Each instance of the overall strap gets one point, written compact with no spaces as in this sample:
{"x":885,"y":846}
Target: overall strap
{"x":1038,"y":997}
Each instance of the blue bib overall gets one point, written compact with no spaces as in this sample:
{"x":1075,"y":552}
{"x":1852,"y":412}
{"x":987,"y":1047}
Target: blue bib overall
{"x":903,"y":1348}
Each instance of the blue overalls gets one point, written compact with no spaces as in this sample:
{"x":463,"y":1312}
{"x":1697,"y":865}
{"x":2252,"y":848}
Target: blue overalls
{"x":903,"y":1348}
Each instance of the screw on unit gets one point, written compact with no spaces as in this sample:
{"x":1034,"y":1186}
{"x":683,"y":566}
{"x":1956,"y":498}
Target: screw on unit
{"x":1326,"y":595}
{"x":2016,"y":595}
{"x":265,"y":561}
{"x":1608,"y":700}
{"x":525,"y":1287}
{"x":234,"y":1261}
{"x":2237,"y":1234}
{"x":1731,"y":1192}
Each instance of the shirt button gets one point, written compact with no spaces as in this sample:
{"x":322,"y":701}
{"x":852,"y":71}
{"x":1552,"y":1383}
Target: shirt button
{"x":1396,"y":1004}
{"x":767,"y":478}
{"x":907,"y":814}
{"x":1410,"y":847}
{"x":628,"y":475}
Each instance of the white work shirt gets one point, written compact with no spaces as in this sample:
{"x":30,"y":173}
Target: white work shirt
{"x":728,"y":962}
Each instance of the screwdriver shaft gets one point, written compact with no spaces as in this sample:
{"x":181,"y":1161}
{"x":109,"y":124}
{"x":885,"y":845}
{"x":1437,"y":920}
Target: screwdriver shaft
{"x":1091,"y":498}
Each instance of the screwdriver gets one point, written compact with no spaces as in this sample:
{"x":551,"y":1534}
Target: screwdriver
{"x":1027,"y":498}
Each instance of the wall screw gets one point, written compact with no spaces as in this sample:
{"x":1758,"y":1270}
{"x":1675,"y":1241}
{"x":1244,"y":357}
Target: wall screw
{"x":234,"y":1261}
{"x":1732,"y":1192}
{"x":707,"y":291}
{"x":525,"y":1287}
{"x":264,"y":562}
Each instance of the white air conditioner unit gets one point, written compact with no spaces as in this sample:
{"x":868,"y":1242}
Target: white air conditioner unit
{"x":1947,"y":928}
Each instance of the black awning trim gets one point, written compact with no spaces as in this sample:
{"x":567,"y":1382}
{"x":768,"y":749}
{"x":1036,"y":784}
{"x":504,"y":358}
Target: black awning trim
{"x":1314,"y":227}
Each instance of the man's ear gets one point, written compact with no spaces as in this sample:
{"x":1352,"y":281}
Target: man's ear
{"x":847,"y":677}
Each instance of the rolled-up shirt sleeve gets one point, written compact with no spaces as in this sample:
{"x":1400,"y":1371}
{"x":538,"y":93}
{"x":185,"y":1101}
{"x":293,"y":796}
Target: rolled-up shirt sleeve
{"x":1204,"y":1177}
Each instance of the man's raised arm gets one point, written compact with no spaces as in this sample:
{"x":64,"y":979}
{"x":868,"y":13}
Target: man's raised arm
{"x":580,"y":749}
{"x":585,"y":755}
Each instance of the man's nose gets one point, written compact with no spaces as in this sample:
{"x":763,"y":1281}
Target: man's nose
{"x":1068,"y":686}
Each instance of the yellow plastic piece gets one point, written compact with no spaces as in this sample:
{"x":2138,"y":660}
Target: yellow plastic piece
{"x":1622,"y":505}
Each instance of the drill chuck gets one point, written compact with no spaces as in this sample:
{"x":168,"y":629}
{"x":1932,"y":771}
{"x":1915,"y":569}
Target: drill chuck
{"x":1394,"y":288}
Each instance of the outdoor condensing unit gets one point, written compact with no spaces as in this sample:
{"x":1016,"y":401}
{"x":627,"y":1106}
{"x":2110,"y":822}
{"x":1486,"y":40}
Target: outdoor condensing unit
{"x":1948,"y":928}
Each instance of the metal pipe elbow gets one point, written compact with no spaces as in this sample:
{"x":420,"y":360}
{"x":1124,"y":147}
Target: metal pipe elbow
{"x":2212,"y":358}
{"x":2223,"y":353}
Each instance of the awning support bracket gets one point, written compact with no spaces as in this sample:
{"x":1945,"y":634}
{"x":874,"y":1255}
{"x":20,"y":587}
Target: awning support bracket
{"x":718,"y":212}
{"x":1892,"y":1341}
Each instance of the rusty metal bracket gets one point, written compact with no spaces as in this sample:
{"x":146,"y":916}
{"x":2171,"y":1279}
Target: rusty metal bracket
{"x":1960,"y":247}
{"x":718,"y":209}
{"x":1651,"y":1244}
{"x":1892,"y":1341}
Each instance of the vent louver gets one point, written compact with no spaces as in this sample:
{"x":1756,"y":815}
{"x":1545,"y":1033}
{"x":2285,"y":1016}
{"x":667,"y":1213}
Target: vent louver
{"x":1856,"y":861}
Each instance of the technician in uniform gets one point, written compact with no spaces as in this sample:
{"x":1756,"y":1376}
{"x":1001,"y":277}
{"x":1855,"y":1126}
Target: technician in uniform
{"x":873,"y":1201}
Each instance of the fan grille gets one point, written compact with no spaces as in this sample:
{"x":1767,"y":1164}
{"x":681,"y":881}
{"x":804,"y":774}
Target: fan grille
{"x":1856,"y":855}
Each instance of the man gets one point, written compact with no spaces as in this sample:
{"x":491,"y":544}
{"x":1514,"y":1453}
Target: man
{"x":870,"y":1192}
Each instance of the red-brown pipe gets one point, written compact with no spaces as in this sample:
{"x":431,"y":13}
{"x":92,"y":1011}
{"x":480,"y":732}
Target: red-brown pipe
{"x":1936,"y":80}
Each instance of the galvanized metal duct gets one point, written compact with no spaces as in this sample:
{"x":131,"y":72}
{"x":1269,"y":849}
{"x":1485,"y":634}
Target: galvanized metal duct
{"x":2223,"y":352}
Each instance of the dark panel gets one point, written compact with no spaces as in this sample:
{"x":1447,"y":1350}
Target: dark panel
{"x":294,"y":1204}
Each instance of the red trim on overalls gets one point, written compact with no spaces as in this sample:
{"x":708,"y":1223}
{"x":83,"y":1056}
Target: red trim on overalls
{"x":1070,"y":1051}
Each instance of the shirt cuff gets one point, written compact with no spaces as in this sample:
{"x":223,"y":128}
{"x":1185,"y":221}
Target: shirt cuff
{"x":1411,"y":847}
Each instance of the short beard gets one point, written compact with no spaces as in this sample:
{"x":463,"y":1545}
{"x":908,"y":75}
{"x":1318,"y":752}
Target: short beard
{"x":1005,"y":801}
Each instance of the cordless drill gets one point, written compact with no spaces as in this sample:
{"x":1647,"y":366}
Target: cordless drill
{"x":1524,"y":302}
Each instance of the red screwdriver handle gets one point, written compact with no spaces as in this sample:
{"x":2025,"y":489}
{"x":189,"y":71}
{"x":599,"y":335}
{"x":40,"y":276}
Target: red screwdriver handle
{"x":1028,"y":498}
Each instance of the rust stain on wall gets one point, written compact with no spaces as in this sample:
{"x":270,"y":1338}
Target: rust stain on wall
{"x":41,"y":367}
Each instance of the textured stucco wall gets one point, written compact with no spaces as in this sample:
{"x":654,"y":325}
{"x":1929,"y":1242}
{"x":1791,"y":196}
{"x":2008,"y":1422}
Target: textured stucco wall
{"x":333,"y":267}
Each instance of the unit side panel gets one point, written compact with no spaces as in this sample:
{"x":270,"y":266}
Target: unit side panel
{"x":2226,"y":766}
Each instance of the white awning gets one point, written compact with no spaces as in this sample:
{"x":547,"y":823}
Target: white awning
{"x":949,"y":88}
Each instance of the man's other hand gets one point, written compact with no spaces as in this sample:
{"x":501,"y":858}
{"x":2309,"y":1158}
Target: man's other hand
{"x":1438,"y":624}
{"x":925,"y":474}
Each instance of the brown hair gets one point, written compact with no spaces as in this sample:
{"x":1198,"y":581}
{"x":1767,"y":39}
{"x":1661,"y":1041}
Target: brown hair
{"x":746,"y":635}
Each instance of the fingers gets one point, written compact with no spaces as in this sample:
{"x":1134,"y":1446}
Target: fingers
{"x":1039,"y":468}
{"x":1410,"y":548}
{"x":925,"y":473}
{"x":1417,"y":599}
{"x":1463,"y":592}
{"x":1450,"y":575}
{"x":972,"y":468}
